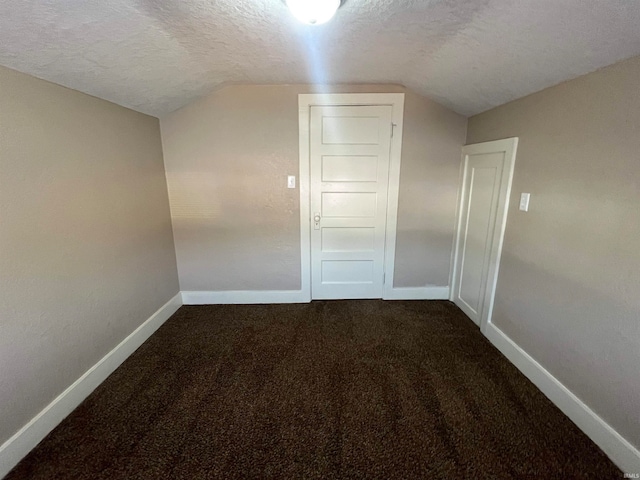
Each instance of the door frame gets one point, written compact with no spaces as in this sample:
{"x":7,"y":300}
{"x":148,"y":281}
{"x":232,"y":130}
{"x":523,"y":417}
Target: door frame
{"x":305,"y":102}
{"x":509,"y":146}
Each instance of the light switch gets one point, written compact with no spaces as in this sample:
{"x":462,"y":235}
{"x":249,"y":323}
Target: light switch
{"x":291,"y":181}
{"x":524,"y":202}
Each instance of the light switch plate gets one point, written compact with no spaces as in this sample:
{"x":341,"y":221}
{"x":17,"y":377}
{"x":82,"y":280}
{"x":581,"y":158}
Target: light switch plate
{"x":291,"y":181}
{"x":524,"y":202}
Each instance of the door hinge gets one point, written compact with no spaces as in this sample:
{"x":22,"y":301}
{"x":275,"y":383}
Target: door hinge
{"x":384,"y":278}
{"x":393,"y":125}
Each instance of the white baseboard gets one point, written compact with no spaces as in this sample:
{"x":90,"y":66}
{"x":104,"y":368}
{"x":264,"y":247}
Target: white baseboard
{"x":298,"y":296}
{"x":244,"y":297}
{"x":418,"y":293}
{"x":619,"y":450}
{"x":23,"y":441}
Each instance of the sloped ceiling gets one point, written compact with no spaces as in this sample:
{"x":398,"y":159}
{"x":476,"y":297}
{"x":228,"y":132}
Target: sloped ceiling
{"x":155,"y":56}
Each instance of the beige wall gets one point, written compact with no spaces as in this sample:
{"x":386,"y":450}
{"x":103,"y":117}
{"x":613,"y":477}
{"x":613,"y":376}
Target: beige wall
{"x":86,"y":250}
{"x":236,"y":225}
{"x":570,"y":273}
{"x":431,"y":152}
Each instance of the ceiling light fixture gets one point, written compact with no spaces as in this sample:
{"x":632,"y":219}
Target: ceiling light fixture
{"x":313,"y":12}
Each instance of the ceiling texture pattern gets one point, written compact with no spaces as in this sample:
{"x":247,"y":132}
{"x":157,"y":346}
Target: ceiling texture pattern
{"x":155,"y":56}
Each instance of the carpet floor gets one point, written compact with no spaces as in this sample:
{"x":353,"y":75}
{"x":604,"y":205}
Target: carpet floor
{"x":335,"y":389}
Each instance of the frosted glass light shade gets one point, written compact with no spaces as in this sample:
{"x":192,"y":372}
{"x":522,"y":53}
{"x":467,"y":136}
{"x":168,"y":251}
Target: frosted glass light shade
{"x":313,"y":12}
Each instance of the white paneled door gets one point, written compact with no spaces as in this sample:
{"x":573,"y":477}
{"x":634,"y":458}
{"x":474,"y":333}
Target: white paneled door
{"x":349,"y":182}
{"x":482,"y":213}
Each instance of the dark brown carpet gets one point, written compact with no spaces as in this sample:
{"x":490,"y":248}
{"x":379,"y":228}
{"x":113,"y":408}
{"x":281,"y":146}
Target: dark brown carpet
{"x":343,"y":389}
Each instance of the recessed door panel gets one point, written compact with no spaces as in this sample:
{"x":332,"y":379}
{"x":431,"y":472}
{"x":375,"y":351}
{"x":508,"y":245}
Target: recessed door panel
{"x":347,"y":271}
{"x":349,"y":168}
{"x":348,"y":239}
{"x":354,"y":130}
{"x":481,"y":204}
{"x":349,"y":204}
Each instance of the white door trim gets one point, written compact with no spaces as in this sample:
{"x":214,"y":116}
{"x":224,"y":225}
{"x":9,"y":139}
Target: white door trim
{"x":305,"y":102}
{"x":509,"y":146}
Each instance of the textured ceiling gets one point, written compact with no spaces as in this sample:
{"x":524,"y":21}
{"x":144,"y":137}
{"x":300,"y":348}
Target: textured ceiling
{"x":157,"y":55}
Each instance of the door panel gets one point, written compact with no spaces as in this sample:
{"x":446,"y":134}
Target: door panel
{"x":349,"y":204}
{"x":348,"y":239}
{"x":345,"y":129}
{"x":347,"y":271}
{"x":349,"y":168}
{"x":480,"y":220}
{"x":488,"y":169}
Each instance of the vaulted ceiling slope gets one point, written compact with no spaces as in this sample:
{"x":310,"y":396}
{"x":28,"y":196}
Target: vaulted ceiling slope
{"x":155,"y":56}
